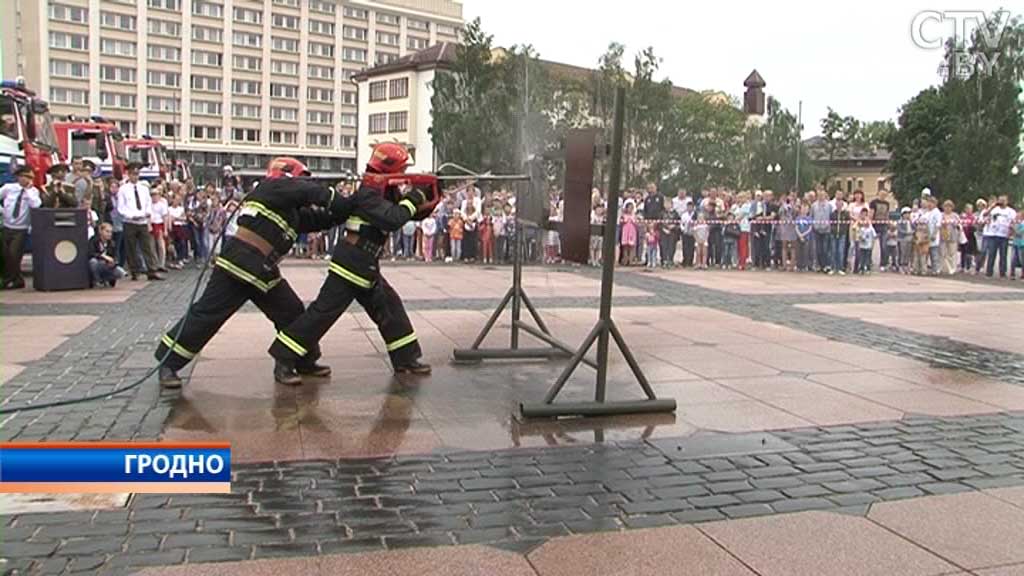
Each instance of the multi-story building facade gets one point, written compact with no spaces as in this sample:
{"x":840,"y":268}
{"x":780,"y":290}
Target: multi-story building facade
{"x":224,"y":81}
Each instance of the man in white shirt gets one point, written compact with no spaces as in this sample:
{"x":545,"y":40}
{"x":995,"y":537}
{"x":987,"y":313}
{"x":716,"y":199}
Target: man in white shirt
{"x":934,"y":219}
{"x":135,"y":205}
{"x":998,"y":231}
{"x":18,"y":198}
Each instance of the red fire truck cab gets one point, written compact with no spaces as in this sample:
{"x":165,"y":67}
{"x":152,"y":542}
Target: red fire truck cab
{"x":150,"y":153}
{"x":95,"y":139}
{"x":26,"y":132}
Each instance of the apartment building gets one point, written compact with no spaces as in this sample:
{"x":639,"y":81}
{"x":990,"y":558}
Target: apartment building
{"x":224,"y":81}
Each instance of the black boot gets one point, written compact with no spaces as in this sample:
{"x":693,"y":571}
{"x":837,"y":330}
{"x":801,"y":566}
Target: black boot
{"x":286,"y":374}
{"x":315,"y":370}
{"x":413,"y":367}
{"x":169,"y":379}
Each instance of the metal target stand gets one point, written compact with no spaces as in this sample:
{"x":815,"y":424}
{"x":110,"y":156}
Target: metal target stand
{"x":516,"y":296}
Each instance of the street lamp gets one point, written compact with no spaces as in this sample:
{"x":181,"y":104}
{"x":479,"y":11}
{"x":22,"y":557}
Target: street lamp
{"x":1015,"y":170}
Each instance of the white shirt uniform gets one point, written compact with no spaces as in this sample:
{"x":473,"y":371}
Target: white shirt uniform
{"x":134,"y":203}
{"x":18,"y":203}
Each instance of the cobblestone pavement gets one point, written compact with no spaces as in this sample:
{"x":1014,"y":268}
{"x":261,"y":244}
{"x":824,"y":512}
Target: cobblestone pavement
{"x":518,"y":498}
{"x":513,"y":499}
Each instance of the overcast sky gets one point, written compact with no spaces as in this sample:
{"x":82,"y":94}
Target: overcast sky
{"x":858,"y":57}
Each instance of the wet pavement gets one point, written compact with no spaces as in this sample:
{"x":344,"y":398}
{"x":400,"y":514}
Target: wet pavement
{"x":860,"y":393}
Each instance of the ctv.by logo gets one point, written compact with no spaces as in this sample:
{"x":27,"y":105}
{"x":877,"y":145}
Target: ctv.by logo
{"x":931,"y":28}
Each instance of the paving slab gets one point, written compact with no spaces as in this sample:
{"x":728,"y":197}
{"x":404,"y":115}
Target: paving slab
{"x":973,"y":530}
{"x":815,"y":543}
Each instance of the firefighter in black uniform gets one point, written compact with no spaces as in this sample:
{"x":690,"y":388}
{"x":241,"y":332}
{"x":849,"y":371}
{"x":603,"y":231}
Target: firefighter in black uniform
{"x":270,"y":219}
{"x":377,"y":209}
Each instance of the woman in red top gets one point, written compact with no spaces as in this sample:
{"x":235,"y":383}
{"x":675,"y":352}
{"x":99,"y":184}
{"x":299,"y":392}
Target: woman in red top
{"x":486,"y":237}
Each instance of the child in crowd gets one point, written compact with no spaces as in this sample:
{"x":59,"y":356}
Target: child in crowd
{"x":456,"y":231}
{"x":652,"y":245}
{"x":102,"y":264}
{"x":922,"y":241}
{"x":596,"y":219}
{"x":866,"y":235}
{"x":629,"y":234}
{"x":803,"y":238}
{"x":892,"y":247}
{"x":1018,"y":246}
{"x":700,"y":239}
{"x":429,"y":228}
{"x":731,"y":237}
{"x":487,"y":238}
{"x":905,"y":239}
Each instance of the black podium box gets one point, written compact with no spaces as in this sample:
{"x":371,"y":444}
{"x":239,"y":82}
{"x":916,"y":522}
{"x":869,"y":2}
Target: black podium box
{"x":60,"y":249}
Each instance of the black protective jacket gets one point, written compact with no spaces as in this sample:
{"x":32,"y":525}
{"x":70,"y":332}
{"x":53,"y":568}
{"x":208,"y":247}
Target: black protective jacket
{"x":278,"y":211}
{"x":372,"y":219}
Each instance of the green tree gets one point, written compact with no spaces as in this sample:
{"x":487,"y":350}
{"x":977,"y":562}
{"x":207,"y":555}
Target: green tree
{"x":962,"y":138}
{"x":838,"y":134}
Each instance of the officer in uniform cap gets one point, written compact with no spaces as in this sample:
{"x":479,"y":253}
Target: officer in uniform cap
{"x":270,"y":219}
{"x":58,"y":193}
{"x":377,"y":209}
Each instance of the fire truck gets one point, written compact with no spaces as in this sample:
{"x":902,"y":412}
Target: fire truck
{"x":26,"y":132}
{"x":150,"y":153}
{"x":95,"y":139}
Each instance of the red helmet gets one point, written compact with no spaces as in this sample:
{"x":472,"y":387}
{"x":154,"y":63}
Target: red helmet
{"x":286,"y":167}
{"x":388,"y":158}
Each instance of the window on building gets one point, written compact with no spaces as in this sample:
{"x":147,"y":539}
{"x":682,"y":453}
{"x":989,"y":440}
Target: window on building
{"x":356,"y":13}
{"x":414,"y":43}
{"x":385,"y":58}
{"x":348,"y":120}
{"x":172,"y":5}
{"x":285,"y":114}
{"x":207,"y":8}
{"x":319,"y":117}
{"x":348,"y":73}
{"x":398,"y":88}
{"x":284,"y":67}
{"x":69,"y":96}
{"x":414,"y":24}
{"x":164,"y":53}
{"x":121,"y":74}
{"x":347,"y":141}
{"x":118,"y":21}
{"x":251,"y":63}
{"x":284,"y":137}
{"x":67,"y":41}
{"x":321,"y":72}
{"x":321,"y":49}
{"x":164,"y":28}
{"x":66,"y":13}
{"x":162,"y":104}
{"x":321,"y":27}
{"x":398,"y":121}
{"x":68,"y":69}
{"x":245,"y":110}
{"x":248,"y":39}
{"x":348,"y":98}
{"x":285,"y":21}
{"x":206,"y":108}
{"x":284,"y":44}
{"x":286,"y":91}
{"x":205,"y":58}
{"x":354,"y":33}
{"x":117,"y":100}
{"x":319,"y":140}
{"x":207,"y":34}
{"x":378,"y":123}
{"x":245,"y":135}
{"x":378,"y":90}
{"x":320,"y":94}
{"x":447,"y":30}
{"x":385,"y":18}
{"x":161,"y":129}
{"x":323,"y":6}
{"x":289,"y":3}
{"x":112,"y":47}
{"x":161,"y":78}
{"x":126,"y":126}
{"x":247,"y":16}
{"x":387,"y":38}
{"x":207,"y":83}
{"x":205,"y":132}
{"x":353,"y":54}
{"x":246,"y":87}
